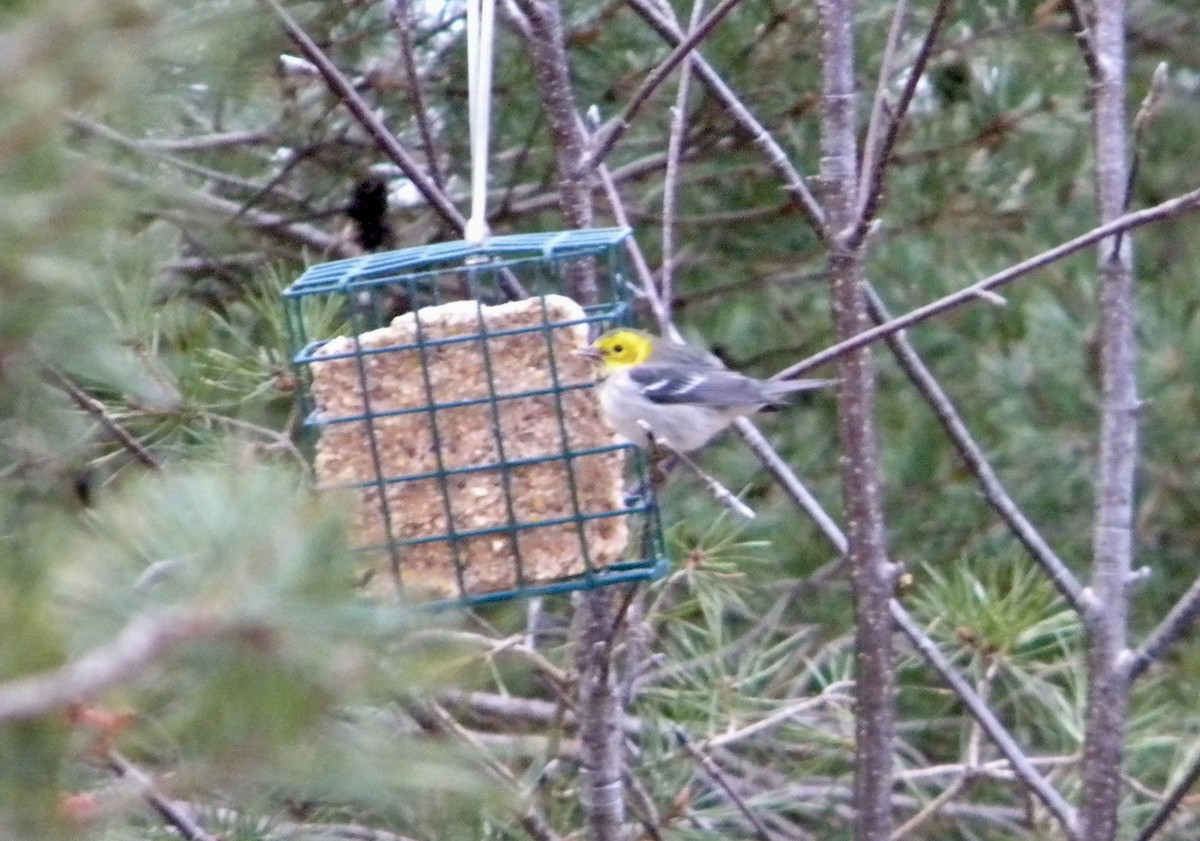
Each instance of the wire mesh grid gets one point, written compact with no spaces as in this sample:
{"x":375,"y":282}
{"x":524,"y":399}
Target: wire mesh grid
{"x":450,"y":405}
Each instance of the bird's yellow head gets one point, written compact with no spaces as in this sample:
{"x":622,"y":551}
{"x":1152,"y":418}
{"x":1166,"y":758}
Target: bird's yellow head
{"x":623,"y":348}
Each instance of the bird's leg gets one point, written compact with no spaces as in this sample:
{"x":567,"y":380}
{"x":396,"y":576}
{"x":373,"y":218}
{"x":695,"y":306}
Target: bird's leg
{"x":675,"y":457}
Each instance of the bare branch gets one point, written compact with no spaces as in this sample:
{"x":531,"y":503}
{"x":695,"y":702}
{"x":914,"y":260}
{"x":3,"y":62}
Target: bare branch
{"x":675,"y":142}
{"x":875,"y":162}
{"x":434,"y":718}
{"x":972,"y":454}
{"x":402,"y":18}
{"x":777,"y":158}
{"x":208,"y":142}
{"x":1171,"y":802}
{"x":606,"y":138}
{"x":714,"y":773}
{"x":1184,"y":203}
{"x":879,"y":104}
{"x":1177,"y":621}
{"x":386,"y":141}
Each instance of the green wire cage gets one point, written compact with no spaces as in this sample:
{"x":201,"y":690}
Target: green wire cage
{"x":454,"y":412}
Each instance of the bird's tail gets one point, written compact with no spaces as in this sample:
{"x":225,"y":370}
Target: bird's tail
{"x":780,"y":390}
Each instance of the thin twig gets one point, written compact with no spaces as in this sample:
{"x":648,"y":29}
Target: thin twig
{"x":344,"y":89}
{"x":1171,"y":802}
{"x":718,"y":491}
{"x":433,"y":717}
{"x":1083,"y":37}
{"x":714,"y":773}
{"x":1177,"y":621}
{"x":178,"y":818}
{"x":831,"y":693}
{"x":294,"y":233}
{"x":209,"y":142}
{"x":670,"y":201}
{"x":972,"y":454}
{"x":871,"y":183}
{"x":1147,"y":112}
{"x":982,"y":713}
{"x":776,"y":157}
{"x":791,"y":484}
{"x":930,"y":809}
{"x":606,"y":138}
{"x":96,"y":409}
{"x":402,"y":18}
{"x":1183,"y":203}
{"x":879,"y":103}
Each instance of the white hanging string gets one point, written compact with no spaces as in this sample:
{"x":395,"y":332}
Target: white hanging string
{"x":481,"y":22}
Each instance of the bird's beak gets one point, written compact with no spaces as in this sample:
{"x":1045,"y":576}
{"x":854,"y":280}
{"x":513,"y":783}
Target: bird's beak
{"x":589,"y":352}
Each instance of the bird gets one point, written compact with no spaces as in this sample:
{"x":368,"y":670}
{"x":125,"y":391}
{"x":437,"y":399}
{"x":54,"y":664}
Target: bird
{"x":655,"y":390}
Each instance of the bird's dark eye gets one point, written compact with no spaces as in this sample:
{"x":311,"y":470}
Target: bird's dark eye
{"x":618,"y":348}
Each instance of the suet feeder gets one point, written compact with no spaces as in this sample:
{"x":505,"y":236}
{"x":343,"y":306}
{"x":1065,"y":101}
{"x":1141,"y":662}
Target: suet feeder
{"x":455,"y":412}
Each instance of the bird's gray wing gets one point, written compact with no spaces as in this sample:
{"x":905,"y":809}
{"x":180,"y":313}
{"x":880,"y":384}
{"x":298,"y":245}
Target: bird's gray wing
{"x":715,"y":387}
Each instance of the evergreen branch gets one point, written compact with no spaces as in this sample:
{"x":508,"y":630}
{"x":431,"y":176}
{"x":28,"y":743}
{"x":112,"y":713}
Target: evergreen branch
{"x":103,"y":131}
{"x":714,"y":773}
{"x":1181,"y":204}
{"x":176,"y":817}
{"x":1025,"y":770}
{"x":146,"y":639}
{"x":295,"y":233}
{"x":96,"y":409}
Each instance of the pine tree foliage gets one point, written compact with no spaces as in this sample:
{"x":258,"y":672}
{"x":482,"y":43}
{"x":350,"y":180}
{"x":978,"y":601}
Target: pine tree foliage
{"x":169,"y":168}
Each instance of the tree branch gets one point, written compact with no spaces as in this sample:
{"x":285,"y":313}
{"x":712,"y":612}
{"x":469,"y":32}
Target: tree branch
{"x":146,"y":639}
{"x":384,"y":139}
{"x":872,"y":574}
{"x":402,"y":18}
{"x":982,"y":713}
{"x":606,"y":138}
{"x":972,"y":454}
{"x":1177,"y":621}
{"x":1106,"y":620}
{"x":875,"y":160}
{"x":1183,"y":203}
{"x":776,"y":157}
